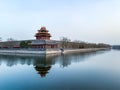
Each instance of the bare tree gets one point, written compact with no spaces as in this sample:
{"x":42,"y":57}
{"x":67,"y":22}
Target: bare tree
{"x":64,"y":42}
{"x":0,"y":39}
{"x":10,"y":39}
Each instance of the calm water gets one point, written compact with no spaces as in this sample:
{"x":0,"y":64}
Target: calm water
{"x":88,"y":71}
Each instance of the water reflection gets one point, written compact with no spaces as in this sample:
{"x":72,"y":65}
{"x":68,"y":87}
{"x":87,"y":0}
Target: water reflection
{"x":68,"y":59}
{"x":42,"y":70}
{"x":42,"y":64}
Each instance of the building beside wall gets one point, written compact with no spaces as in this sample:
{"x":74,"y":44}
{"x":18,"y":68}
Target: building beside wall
{"x":42,"y":41}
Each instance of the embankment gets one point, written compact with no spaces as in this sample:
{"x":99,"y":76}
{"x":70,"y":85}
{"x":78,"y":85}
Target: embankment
{"x":84,"y":50}
{"x":48,"y":52}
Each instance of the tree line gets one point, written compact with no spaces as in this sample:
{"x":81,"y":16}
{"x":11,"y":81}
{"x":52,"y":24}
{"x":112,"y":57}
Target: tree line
{"x":67,"y":43}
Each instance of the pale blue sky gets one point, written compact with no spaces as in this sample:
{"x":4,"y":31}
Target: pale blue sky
{"x":86,"y":20}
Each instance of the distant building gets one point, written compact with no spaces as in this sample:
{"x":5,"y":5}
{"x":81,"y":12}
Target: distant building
{"x":116,"y":47}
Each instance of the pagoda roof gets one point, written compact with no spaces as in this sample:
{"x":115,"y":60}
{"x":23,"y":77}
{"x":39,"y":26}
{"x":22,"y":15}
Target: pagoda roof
{"x":43,"y":29}
{"x":42,"y":32}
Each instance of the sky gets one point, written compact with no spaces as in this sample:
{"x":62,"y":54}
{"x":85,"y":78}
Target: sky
{"x":94,"y":21}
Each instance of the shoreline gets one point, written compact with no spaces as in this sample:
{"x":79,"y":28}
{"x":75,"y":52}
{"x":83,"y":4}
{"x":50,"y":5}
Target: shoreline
{"x":48,"y":52}
{"x":84,"y":50}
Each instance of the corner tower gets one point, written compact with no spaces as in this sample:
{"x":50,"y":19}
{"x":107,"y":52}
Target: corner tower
{"x":43,"y":34}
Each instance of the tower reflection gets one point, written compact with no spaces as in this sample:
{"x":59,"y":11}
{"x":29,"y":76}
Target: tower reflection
{"x":42,"y":70}
{"x":43,"y":64}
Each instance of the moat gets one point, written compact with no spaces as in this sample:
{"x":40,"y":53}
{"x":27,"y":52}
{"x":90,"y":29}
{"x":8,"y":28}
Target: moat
{"x":84,"y":71}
